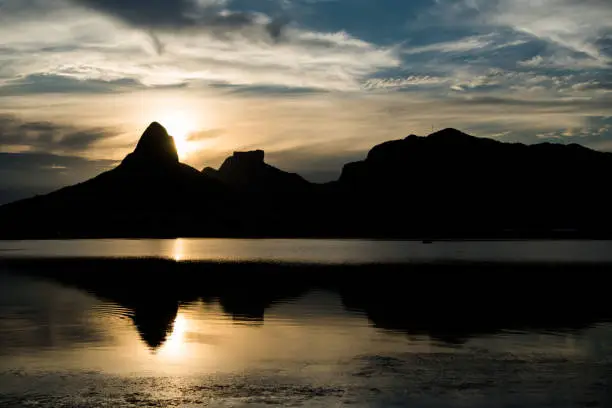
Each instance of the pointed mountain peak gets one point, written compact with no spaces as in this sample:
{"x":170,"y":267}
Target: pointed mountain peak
{"x":155,"y":145}
{"x":155,"y":127}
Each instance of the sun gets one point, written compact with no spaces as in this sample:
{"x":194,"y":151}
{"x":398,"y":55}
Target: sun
{"x":180,"y":126}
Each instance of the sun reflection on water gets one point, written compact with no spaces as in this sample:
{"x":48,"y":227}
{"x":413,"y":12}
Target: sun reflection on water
{"x":175,"y":346}
{"x":178,"y":251}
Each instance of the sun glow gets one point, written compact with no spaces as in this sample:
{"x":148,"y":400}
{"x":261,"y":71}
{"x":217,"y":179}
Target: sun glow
{"x":180,"y":127}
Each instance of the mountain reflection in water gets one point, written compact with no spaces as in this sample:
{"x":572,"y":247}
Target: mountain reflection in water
{"x":129,"y":333}
{"x":449,"y":303}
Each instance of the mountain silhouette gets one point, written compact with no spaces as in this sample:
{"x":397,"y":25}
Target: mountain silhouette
{"x":148,"y":193}
{"x":451,"y":183}
{"x":448,"y":185}
{"x":154,"y":147}
{"x":247,"y":171}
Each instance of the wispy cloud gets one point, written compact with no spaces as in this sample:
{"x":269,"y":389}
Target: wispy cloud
{"x":562,"y":60}
{"x":571,"y":25}
{"x":461,"y":45}
{"x":402,"y":82}
{"x":90,"y":47}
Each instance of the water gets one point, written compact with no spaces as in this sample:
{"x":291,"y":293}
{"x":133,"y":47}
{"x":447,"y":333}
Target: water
{"x":317,"y":251}
{"x":139,"y":333}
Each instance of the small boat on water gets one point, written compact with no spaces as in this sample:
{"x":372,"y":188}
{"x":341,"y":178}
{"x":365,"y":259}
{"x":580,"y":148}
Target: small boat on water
{"x":427,"y":241}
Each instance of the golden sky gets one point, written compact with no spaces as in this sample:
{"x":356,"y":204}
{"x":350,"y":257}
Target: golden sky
{"x":313,"y":83}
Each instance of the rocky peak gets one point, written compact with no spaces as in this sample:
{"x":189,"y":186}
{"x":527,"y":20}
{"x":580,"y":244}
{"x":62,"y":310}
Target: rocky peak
{"x":253,"y":157}
{"x":249,"y":172}
{"x":243,"y":162}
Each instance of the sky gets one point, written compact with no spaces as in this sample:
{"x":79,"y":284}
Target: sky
{"x":314,"y":83}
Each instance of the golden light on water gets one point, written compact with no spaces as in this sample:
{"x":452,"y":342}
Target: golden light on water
{"x":178,"y":251}
{"x":175,"y":346}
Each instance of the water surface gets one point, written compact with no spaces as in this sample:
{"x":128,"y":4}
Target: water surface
{"x":133,"y":333}
{"x":317,"y":251}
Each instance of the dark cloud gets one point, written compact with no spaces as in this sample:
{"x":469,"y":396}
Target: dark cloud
{"x":48,"y":137}
{"x":569,"y":105}
{"x":594,"y":133}
{"x":40,"y":170}
{"x":24,"y":175}
{"x":605,"y":44}
{"x":25,"y":8}
{"x":268,"y":90}
{"x":158,"y":44}
{"x":50,"y":83}
{"x":47,"y":161}
{"x":174,"y":15}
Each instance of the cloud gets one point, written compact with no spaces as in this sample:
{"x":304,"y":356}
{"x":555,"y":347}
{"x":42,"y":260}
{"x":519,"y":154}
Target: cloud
{"x":24,"y":8}
{"x":403,"y":82}
{"x":269,"y":90}
{"x":305,"y":59}
{"x":45,"y":161}
{"x":556,"y":105}
{"x":211,"y":16}
{"x":532,"y":83}
{"x":42,"y":136}
{"x":50,"y":83}
{"x":561,"y":60}
{"x":536,"y":61}
{"x":460,"y":45}
{"x":331,"y":81}
{"x":580,"y":26}
{"x":87,"y":45}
